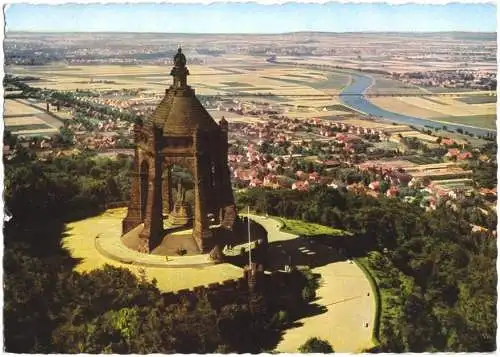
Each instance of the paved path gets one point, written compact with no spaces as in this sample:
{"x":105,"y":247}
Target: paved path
{"x":80,"y":242}
{"x":111,"y":246}
{"x":273,"y":228}
{"x":344,"y":292}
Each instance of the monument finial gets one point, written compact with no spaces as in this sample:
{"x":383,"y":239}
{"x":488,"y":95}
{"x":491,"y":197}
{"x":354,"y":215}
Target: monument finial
{"x":180,"y":58}
{"x":180,"y":71}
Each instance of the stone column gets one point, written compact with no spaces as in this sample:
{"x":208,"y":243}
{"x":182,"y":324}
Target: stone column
{"x":153,"y":220}
{"x":133,"y":217}
{"x":201,"y":229}
{"x":167,"y":204}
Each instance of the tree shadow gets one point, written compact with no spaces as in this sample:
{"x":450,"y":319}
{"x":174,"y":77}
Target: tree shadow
{"x":309,"y":310}
{"x":41,"y":239}
{"x":314,"y":251}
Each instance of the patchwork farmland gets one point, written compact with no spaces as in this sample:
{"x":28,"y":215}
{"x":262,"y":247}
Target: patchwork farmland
{"x":22,"y":117}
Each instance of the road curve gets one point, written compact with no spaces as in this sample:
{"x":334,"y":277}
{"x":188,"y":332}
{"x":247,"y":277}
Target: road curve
{"x":343,"y":292}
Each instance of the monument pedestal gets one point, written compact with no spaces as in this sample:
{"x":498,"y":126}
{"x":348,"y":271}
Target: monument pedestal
{"x":180,"y":216}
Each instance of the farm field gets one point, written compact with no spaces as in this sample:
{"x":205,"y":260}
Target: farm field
{"x":392,"y":65}
{"x":418,"y":135}
{"x":384,"y":85}
{"x":287,"y":84}
{"x":454,"y":183}
{"x":444,"y":109}
{"x":371,"y":124}
{"x":307,"y":93}
{"x":24,"y":118}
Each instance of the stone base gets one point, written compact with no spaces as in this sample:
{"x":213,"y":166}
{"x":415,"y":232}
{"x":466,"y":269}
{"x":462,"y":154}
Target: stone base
{"x":132,"y":220}
{"x":179,"y":216}
{"x":216,"y":255}
{"x":173,"y":244}
{"x":176,"y":221}
{"x":204,"y":240}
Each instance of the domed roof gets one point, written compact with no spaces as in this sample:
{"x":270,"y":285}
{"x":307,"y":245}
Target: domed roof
{"x":180,"y":112}
{"x":182,"y":115}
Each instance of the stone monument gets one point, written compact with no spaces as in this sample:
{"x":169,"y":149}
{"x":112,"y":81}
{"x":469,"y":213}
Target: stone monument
{"x":180,"y":132}
{"x":180,"y":215}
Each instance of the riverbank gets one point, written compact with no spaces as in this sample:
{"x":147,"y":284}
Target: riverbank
{"x":353,"y":97}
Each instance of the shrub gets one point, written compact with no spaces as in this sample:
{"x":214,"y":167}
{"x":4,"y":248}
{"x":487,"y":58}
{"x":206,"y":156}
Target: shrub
{"x":308,"y":294}
{"x":280,"y":319}
{"x":316,"y":345}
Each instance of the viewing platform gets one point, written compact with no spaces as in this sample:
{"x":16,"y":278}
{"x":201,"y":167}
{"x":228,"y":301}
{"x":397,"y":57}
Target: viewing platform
{"x":113,"y":247}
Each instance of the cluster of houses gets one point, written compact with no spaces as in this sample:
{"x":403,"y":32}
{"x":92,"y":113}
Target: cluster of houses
{"x":332,"y":128}
{"x":99,"y":141}
{"x":253,"y":168}
{"x":481,"y":80}
{"x":456,"y":154}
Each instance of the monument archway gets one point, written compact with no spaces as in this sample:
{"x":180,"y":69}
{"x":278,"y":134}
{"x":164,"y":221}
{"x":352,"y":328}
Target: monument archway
{"x":181,"y":132}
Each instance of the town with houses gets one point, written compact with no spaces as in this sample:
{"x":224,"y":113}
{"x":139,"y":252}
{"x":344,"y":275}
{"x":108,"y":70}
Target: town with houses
{"x":271,"y":149}
{"x":476,"y":80}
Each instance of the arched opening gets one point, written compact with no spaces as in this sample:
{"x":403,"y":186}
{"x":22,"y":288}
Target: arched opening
{"x":144,"y":187}
{"x":178,"y":210}
{"x":183,"y":179}
{"x":181,"y":195}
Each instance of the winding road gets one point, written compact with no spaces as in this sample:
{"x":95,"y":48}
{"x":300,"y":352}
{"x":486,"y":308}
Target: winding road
{"x":353,"y":96}
{"x":345,"y":294}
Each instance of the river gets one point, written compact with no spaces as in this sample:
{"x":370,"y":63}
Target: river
{"x":353,"y":97}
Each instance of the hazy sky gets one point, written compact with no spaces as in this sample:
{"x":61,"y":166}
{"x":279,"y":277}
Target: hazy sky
{"x":251,"y":17}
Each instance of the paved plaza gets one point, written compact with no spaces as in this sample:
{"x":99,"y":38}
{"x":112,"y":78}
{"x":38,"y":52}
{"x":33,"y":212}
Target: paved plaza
{"x":343,"y":292}
{"x":81,"y":238}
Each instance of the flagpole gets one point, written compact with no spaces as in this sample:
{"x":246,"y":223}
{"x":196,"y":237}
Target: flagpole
{"x":249,"y":241}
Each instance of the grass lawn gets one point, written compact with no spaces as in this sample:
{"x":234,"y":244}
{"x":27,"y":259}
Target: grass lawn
{"x":302,"y":228}
{"x":482,"y":121}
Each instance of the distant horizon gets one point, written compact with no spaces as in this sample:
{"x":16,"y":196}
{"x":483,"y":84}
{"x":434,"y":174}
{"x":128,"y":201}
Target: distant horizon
{"x":251,"y":18}
{"x":254,"y":33}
